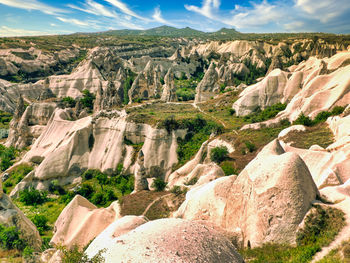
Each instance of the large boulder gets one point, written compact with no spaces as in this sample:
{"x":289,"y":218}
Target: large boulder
{"x":172,"y":240}
{"x":267,"y":201}
{"x":107,"y":237}
{"x":81,"y":221}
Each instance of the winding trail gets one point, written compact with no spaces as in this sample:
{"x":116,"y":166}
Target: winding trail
{"x":153,"y":202}
{"x":343,"y":235}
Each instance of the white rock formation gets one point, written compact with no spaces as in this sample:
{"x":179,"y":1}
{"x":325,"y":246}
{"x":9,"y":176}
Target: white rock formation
{"x":105,"y":240}
{"x":172,"y":240}
{"x":81,"y":221}
{"x":267,"y":201}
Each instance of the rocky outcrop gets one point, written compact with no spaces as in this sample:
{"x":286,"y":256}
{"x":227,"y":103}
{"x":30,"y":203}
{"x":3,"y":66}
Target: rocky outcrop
{"x":10,"y":215}
{"x":147,"y":84}
{"x":266,"y":202}
{"x":208,"y":87}
{"x":118,"y":228}
{"x":169,"y":91}
{"x":312,"y":86}
{"x":81,"y":221}
{"x":200,"y":169}
{"x":27,"y":126}
{"x":67,"y":148}
{"x":329,"y":166}
{"x":172,"y":240}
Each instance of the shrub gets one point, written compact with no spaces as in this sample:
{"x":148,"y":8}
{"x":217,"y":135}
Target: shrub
{"x":266,"y":114}
{"x":69,"y":102}
{"x":7,"y":155}
{"x":192,"y":181}
{"x":41,"y":223}
{"x":170,"y":124}
{"x":232,"y":111}
{"x":219,"y":154}
{"x":176,"y":190}
{"x":159,"y":184}
{"x":250,"y":146}
{"x":303,"y":120}
{"x":55,"y":188}
{"x":228,"y":168}
{"x":33,"y":197}
{"x":337,"y":110}
{"x":10,"y":238}
{"x":76,"y":255}
{"x":85,"y":190}
{"x":88,"y":99}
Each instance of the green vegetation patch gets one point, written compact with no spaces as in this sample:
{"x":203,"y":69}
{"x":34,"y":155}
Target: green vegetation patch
{"x":321,"y":227}
{"x":186,"y":88}
{"x":5,"y":119}
{"x":15,"y":176}
{"x":7,"y":156}
{"x":266,"y":114}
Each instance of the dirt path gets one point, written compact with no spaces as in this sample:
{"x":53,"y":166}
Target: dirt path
{"x":211,"y":116}
{"x":153,"y":202}
{"x":343,"y":235}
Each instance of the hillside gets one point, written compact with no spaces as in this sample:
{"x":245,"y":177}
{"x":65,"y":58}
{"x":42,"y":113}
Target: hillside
{"x":175,"y":145}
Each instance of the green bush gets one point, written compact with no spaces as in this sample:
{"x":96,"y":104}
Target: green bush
{"x":219,"y":154}
{"x":170,"y":124}
{"x":266,"y":114}
{"x":193,"y":181}
{"x":33,"y":197}
{"x":7,"y":155}
{"x":176,"y":190}
{"x":69,"y":102}
{"x":250,"y":146}
{"x":85,"y":190}
{"x":10,"y":238}
{"x":76,"y":255}
{"x":88,"y":99}
{"x":159,"y":184}
{"x":303,"y":120}
{"x":232,"y":111}
{"x":41,"y":223}
{"x":228,"y":168}
{"x":55,"y":188}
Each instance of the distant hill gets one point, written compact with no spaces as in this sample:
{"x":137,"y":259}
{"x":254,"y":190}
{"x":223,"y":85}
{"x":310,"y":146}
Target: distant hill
{"x":168,"y":31}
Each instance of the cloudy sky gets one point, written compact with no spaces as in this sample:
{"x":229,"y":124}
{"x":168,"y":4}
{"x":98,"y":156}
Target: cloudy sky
{"x":37,"y":17}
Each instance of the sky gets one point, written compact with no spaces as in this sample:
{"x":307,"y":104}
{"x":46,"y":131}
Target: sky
{"x":44,"y":17}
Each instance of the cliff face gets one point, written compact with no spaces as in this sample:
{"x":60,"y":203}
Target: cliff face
{"x":66,"y":148}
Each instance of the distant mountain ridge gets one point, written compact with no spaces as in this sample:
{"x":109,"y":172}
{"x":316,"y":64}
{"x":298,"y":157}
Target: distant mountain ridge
{"x":168,"y":31}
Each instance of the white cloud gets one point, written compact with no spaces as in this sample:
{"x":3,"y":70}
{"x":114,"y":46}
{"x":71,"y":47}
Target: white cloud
{"x":324,"y":10}
{"x":157,"y":16}
{"x":255,"y":16}
{"x":94,"y":8}
{"x":295,"y":26}
{"x":77,"y":22}
{"x":208,"y":8}
{"x":33,"y":5}
{"x":125,"y":9}
{"x":11,"y":32}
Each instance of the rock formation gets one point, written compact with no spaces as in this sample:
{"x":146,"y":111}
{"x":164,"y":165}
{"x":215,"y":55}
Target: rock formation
{"x":267,"y":202}
{"x":172,"y":240}
{"x":209,"y":86}
{"x":81,"y":221}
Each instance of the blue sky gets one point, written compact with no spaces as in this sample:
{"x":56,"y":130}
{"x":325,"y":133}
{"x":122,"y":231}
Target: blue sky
{"x":37,"y":17}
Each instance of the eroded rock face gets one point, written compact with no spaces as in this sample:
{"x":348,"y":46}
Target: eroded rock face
{"x":169,"y":91}
{"x":208,"y":87}
{"x":10,"y":215}
{"x":267,"y":202}
{"x":172,"y":240}
{"x":67,"y":148}
{"x":313,"y":86}
{"x":27,"y":126}
{"x":81,"y":221}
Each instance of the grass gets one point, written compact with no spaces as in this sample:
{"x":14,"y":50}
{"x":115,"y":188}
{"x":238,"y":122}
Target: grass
{"x":5,"y":119}
{"x":15,"y":176}
{"x":51,"y":210}
{"x":320,"y":229}
{"x":339,"y":255}
{"x":319,"y":134}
